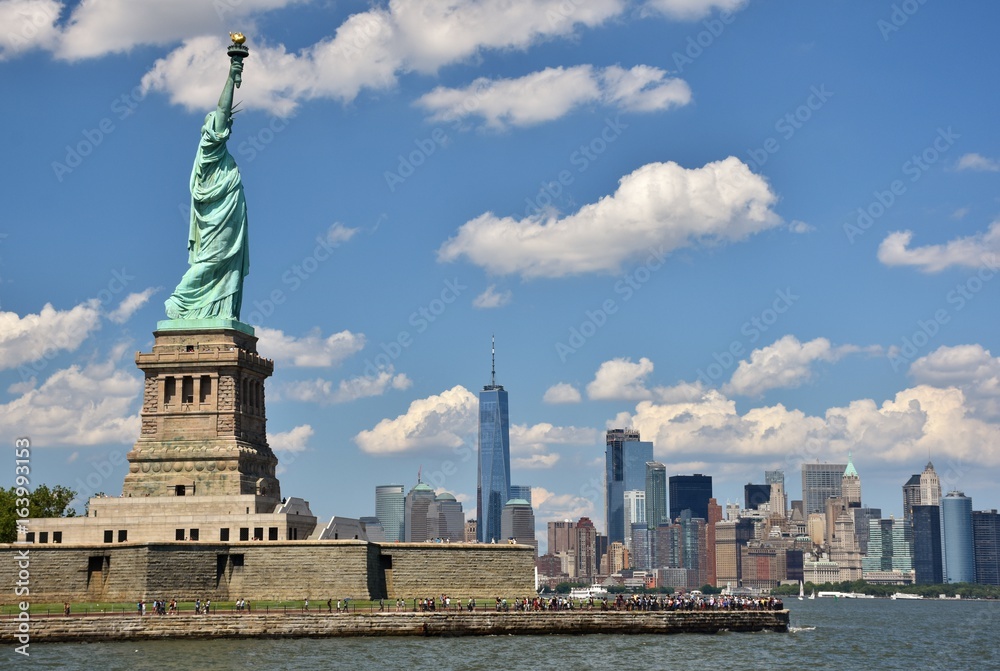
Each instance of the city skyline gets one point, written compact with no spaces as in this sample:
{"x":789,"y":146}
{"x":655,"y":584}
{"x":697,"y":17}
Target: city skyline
{"x":761,"y":234}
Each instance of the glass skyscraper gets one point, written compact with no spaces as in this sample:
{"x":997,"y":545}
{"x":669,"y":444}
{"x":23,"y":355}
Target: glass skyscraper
{"x":959,"y":557}
{"x":389,"y":501}
{"x":820,"y":482}
{"x":656,"y":494}
{"x":493,"y":481}
{"x":986,"y":541}
{"x":926,"y":522}
{"x":690,"y":492}
{"x":625,"y":468}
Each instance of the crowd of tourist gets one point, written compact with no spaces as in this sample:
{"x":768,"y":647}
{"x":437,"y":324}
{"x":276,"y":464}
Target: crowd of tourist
{"x":619,"y":602}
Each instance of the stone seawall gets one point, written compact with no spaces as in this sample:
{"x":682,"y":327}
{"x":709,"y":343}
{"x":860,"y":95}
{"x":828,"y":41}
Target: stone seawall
{"x":81,"y":629}
{"x":269,"y":571}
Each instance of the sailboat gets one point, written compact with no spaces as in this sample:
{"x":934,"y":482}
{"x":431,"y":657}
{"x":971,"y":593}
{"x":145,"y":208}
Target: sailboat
{"x":813,"y":595}
{"x":802,"y":589}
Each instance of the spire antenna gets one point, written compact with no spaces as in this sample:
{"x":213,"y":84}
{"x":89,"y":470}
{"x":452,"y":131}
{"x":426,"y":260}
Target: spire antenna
{"x":493,"y":369}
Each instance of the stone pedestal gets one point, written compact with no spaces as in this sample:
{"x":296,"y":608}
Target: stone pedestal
{"x":203,"y":421}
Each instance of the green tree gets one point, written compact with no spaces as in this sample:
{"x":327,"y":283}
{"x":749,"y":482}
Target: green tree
{"x":42,"y":502}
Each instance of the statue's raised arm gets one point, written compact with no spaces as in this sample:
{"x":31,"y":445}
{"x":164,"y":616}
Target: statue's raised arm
{"x":218,"y":248}
{"x":224,"y":113}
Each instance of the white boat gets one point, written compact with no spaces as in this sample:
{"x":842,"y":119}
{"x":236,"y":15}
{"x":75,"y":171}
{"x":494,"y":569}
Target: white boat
{"x":813,"y":595}
{"x":584,"y":593}
{"x":901,"y":595}
{"x":802,"y":590}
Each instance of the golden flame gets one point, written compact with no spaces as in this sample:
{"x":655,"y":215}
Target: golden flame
{"x":238,"y":38}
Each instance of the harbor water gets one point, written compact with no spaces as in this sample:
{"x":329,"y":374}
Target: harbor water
{"x":826,"y":633}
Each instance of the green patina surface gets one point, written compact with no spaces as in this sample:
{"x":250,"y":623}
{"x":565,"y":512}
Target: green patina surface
{"x":218,"y":243}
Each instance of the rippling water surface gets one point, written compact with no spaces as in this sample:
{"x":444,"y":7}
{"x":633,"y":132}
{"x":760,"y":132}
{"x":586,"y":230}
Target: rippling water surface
{"x":877,"y":634}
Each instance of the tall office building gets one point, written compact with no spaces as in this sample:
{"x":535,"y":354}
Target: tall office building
{"x":518,"y":522}
{"x":778,"y":503}
{"x":657,"y":512}
{"x":956,"y":527}
{"x":730,"y":537}
{"x":930,"y":486}
{"x":415,"y":513}
{"x":690,"y":492}
{"x":521,"y":492}
{"x":714,"y":516}
{"x":635,"y":513}
{"x":562,"y":537}
{"x":776,"y":477}
{"x":863,"y":519}
{"x":911,"y":495}
{"x":641,"y":552}
{"x":850,"y":485}
{"x":693,"y":545}
{"x":445,"y":518}
{"x":493,"y":482}
{"x":890,"y":546}
{"x":389,"y":511}
{"x":625,"y":468}
{"x":587,"y":566}
{"x":666,"y":546}
{"x":755,"y":495}
{"x":927,"y":561}
{"x":820,"y":482}
{"x":986,"y":545}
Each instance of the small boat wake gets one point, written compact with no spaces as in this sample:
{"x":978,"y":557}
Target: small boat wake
{"x":795,"y":630}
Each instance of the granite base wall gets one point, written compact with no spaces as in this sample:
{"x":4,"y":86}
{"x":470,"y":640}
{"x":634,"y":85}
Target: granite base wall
{"x":291,"y":570}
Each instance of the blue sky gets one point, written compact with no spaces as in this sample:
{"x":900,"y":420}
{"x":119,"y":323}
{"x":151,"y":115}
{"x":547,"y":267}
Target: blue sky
{"x":760,"y":233}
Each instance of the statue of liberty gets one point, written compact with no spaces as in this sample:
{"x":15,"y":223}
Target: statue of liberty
{"x":218,"y":246}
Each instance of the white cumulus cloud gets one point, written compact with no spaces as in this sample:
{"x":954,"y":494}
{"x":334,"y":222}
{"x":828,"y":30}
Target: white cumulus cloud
{"x":38,"y":336}
{"x":785,"y":363}
{"x":491,"y":298}
{"x":27,"y":25}
{"x":621,"y":379}
{"x":325,"y":392}
{"x":295,"y":440}
{"x":130,"y":305}
{"x":975,"y":251}
{"x":554,"y":92}
{"x":311,"y":350}
{"x":977,"y":162}
{"x":370,"y":49}
{"x":690,"y":10}
{"x":79,"y":405}
{"x":663,"y":206}
{"x":439,"y":422}
{"x":970,"y":368}
{"x":562,"y":392}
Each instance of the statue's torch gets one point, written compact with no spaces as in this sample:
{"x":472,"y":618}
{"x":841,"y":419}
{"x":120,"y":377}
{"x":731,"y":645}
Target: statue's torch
{"x":238,"y":51}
